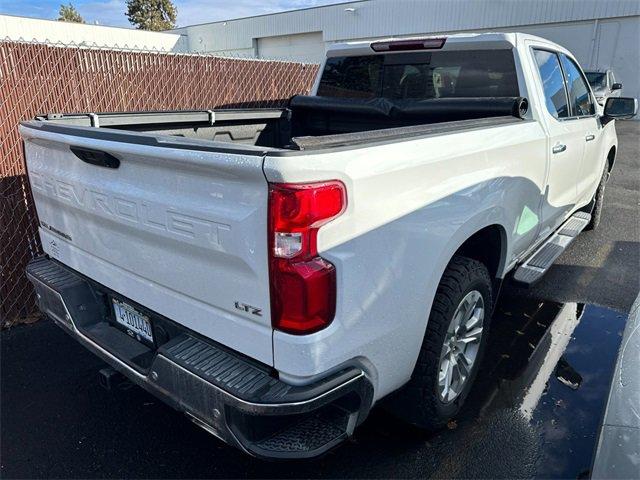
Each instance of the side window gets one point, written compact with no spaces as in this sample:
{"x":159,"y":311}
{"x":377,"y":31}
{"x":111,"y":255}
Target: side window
{"x":579,"y":96}
{"x":552,"y":82}
{"x":612,"y":79}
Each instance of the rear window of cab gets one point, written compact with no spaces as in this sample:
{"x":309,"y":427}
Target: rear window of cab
{"x":421,"y":75}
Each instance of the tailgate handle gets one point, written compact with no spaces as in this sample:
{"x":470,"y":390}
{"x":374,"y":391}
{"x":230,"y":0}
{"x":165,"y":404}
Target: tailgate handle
{"x":96,"y":157}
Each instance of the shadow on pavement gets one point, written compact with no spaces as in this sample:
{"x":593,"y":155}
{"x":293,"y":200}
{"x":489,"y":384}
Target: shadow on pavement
{"x":609,"y":276}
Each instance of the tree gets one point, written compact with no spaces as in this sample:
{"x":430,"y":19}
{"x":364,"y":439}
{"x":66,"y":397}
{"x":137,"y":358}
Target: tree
{"x":153,"y":15}
{"x":68,"y":13}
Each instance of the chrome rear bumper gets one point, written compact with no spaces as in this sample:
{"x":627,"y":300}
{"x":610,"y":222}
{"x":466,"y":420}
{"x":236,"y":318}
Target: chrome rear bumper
{"x":231,"y":396}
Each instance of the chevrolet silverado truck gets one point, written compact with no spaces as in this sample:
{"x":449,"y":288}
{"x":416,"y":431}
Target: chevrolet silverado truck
{"x":274,"y":273}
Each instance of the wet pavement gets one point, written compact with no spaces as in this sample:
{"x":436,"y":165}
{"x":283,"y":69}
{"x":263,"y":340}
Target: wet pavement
{"x":535,"y":412}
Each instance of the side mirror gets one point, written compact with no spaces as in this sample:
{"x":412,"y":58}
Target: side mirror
{"x":616,"y":86}
{"x":620,"y":108}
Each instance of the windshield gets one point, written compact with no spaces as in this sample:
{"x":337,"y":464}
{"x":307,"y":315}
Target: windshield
{"x":421,"y":75}
{"x":597,"y":79}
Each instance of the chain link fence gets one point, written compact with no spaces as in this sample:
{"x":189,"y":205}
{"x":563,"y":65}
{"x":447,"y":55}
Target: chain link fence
{"x":37,"y":78}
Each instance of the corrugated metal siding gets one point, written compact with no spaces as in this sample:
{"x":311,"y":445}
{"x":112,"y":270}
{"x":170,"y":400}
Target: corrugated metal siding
{"x":374,"y":18}
{"x":400,"y":17}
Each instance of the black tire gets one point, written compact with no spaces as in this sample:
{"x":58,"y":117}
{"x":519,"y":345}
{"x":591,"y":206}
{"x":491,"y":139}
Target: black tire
{"x":419,"y":402}
{"x":598,"y":202}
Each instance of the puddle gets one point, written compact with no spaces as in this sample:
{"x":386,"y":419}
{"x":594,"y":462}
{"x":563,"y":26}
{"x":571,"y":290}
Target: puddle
{"x":542,"y":391}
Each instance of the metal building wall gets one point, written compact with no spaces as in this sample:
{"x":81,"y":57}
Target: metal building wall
{"x":375,"y":18}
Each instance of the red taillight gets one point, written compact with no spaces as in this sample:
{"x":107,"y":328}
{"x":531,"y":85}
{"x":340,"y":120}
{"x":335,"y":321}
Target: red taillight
{"x":303,"y":284}
{"x":410,"y":44}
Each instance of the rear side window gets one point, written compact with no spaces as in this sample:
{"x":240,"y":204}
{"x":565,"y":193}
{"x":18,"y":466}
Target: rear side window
{"x":421,"y":75}
{"x":555,"y":94}
{"x":579,"y":96}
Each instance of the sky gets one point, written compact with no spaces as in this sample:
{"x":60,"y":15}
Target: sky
{"x":190,"y":12}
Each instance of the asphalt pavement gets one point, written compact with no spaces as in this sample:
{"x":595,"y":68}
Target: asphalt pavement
{"x":535,"y":412}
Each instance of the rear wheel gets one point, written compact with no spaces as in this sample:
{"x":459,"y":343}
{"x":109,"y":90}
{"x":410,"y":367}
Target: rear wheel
{"x":461,"y":346}
{"x":453,"y":346}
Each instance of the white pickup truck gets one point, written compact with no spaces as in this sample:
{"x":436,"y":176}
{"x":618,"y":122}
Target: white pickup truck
{"x":273,"y":273}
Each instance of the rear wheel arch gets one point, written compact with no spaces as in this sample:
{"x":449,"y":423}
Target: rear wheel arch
{"x":487,"y":245}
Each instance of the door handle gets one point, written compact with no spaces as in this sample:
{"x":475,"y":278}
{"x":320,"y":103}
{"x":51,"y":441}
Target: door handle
{"x":590,"y":137}
{"x":559,"y":148}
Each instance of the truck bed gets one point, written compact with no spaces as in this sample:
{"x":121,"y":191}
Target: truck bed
{"x":310,"y":123}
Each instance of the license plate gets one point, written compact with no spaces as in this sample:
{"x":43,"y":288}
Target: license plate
{"x":136,"y":324}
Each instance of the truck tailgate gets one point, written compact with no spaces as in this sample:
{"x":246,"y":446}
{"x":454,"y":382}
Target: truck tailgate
{"x":180,"y":229}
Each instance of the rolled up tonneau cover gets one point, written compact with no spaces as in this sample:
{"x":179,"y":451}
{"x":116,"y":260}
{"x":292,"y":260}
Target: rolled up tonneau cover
{"x":433,"y":109}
